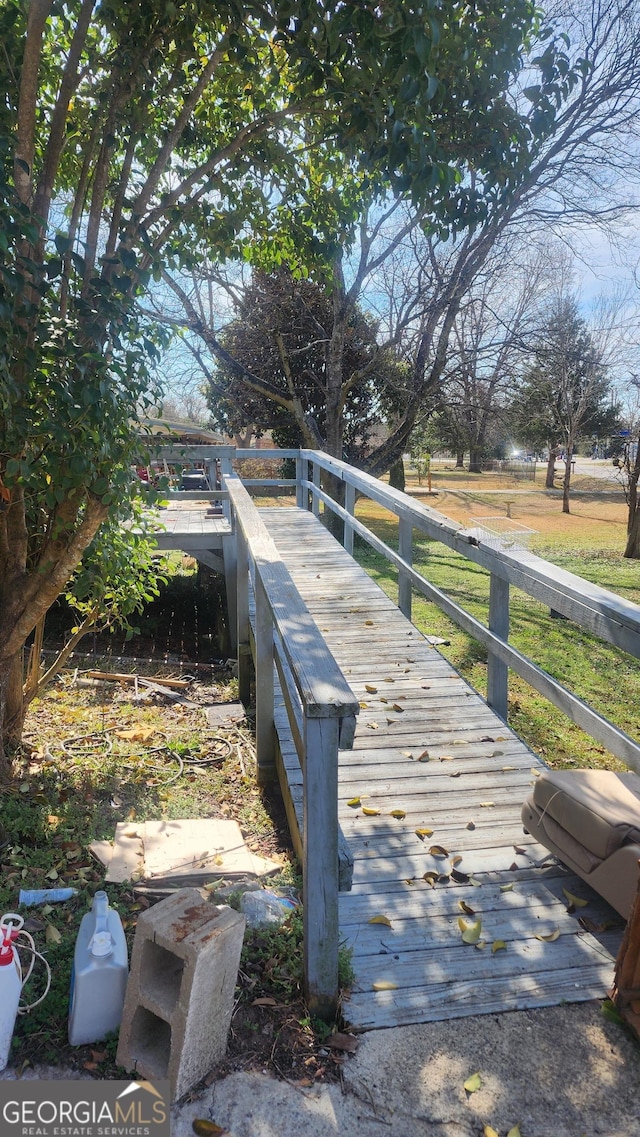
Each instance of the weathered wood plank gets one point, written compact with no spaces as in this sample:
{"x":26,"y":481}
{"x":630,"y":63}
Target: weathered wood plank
{"x":442,"y":715}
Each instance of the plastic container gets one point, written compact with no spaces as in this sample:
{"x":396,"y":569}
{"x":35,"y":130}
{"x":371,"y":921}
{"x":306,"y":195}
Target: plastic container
{"x":30,"y":896}
{"x":263,"y":908}
{"x":99,"y":976}
{"x":10,"y":985}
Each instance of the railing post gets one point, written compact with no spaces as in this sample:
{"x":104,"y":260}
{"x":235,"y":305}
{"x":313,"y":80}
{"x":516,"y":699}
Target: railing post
{"x":301,"y":492}
{"x":320,"y":866}
{"x":265,"y":729}
{"x":497,"y":669}
{"x":405,"y":549}
{"x":245,"y":666}
{"x":229,"y":556}
{"x":315,"y":500}
{"x":350,"y":506}
{"x":226,"y":468}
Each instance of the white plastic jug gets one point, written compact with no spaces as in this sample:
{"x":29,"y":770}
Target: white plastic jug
{"x":99,"y":976}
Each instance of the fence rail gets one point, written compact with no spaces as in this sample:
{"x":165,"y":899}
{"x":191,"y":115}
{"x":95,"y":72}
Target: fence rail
{"x":603,"y":613}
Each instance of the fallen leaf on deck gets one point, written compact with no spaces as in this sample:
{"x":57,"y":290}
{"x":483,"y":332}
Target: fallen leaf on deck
{"x":431,"y":878}
{"x":466,"y":908}
{"x":438,"y":851}
{"x":354,"y":802}
{"x":373,"y":726}
{"x":575,"y":901}
{"x":471,"y":824}
{"x":456,"y":860}
{"x":369,"y":623}
{"x":424,"y":757}
{"x":398,"y":708}
{"x":447,"y":758}
{"x":422,"y":833}
{"x":498,"y":945}
{"x":470,"y":932}
{"x":460,"y":877}
{"x":399,"y":813}
{"x":489,"y":1131}
{"x":550,"y":937}
{"x":519,"y":850}
{"x":370,"y":688}
{"x":380,"y":920}
{"x":369,"y":811}
{"x":384,"y":985}
{"x":507,"y":887}
{"x":487,"y":804}
{"x":473,"y":1083}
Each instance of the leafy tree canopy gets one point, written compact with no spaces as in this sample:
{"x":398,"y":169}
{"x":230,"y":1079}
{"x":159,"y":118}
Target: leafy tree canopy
{"x":281,"y":336}
{"x":132,"y":133}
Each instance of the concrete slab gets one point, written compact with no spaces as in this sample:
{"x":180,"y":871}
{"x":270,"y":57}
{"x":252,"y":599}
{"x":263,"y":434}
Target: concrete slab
{"x":557,"y":1072}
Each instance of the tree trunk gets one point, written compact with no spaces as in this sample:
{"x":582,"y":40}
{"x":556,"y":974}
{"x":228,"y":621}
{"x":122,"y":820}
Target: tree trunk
{"x":396,"y":475}
{"x":460,"y":460}
{"x":566,"y":483}
{"x":551,"y":466}
{"x":475,"y":462}
{"x":12,"y":708}
{"x":632,"y":550}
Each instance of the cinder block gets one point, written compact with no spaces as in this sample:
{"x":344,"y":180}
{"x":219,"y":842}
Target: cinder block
{"x":179,"y":1000}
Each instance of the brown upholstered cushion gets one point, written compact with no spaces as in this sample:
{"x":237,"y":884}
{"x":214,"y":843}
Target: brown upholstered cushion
{"x":598,"y":808}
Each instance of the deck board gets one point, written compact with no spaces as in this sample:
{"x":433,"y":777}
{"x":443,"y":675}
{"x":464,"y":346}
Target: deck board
{"x":467,"y":788}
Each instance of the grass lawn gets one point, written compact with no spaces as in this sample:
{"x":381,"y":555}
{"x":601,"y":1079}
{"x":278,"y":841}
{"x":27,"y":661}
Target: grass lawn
{"x":588,"y":542}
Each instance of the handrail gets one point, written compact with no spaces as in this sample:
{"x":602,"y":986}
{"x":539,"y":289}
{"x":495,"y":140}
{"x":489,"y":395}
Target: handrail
{"x":321,"y":709}
{"x":603,"y":613}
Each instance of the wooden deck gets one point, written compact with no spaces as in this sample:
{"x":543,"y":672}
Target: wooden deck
{"x":191,"y":526}
{"x":428,"y":747}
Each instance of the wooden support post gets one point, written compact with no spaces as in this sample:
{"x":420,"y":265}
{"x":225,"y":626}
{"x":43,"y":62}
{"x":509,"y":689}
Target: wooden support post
{"x":626,"y":984}
{"x":315,"y":503}
{"x":497,"y":669}
{"x":405,"y":549}
{"x":226,"y":468}
{"x":350,"y":506}
{"x":301,"y":474}
{"x":229,"y":553}
{"x":245,"y":664}
{"x":265,"y":729}
{"x":320,"y":866}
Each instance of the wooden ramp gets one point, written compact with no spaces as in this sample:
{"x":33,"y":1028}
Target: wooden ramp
{"x":430,"y":755}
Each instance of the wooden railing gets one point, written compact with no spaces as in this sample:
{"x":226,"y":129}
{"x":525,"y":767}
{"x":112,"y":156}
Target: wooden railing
{"x":321,"y":709}
{"x":603,"y":613}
